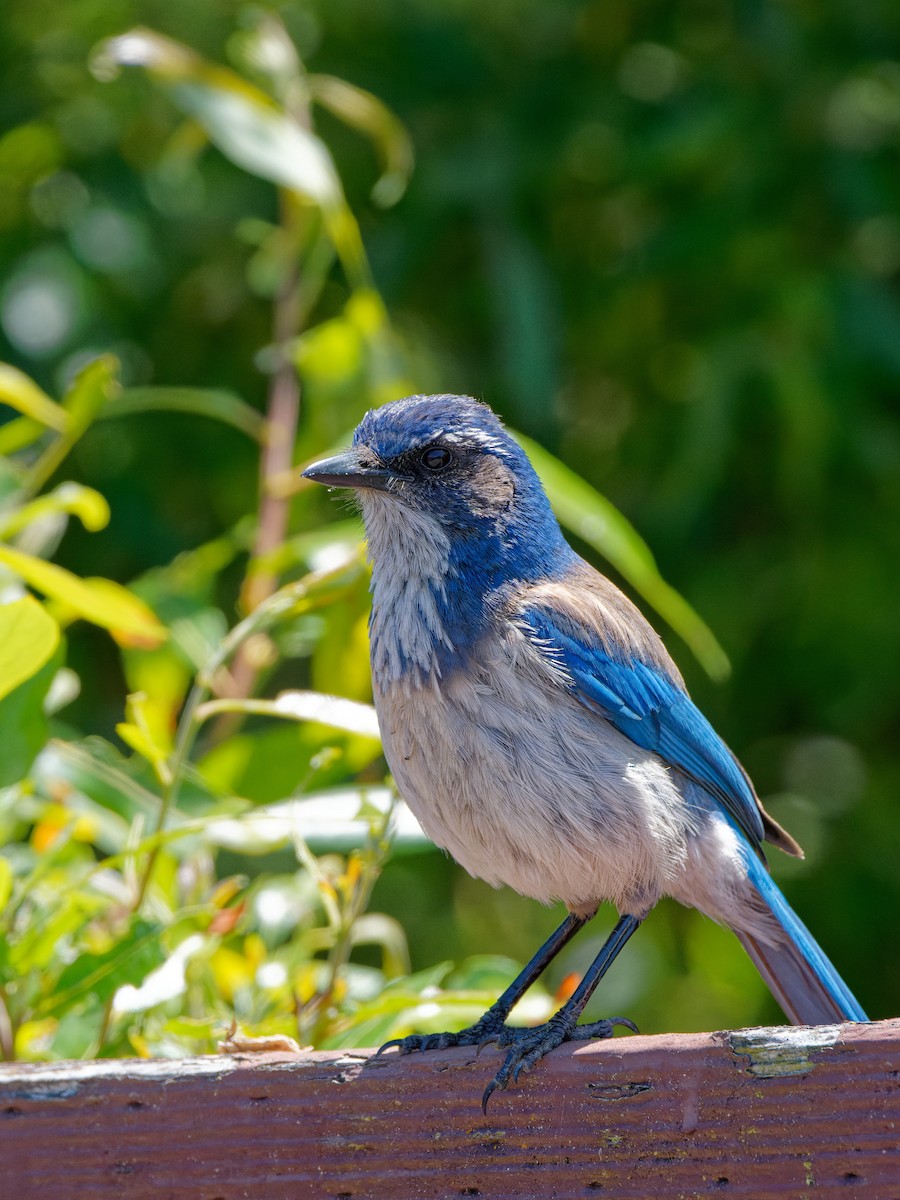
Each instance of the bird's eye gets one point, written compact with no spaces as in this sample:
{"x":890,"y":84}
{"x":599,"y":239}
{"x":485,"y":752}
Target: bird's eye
{"x":436,"y":458}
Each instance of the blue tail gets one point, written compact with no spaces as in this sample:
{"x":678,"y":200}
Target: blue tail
{"x":798,"y":973}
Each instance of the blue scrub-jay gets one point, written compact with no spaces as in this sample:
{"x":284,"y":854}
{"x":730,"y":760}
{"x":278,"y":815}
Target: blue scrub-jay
{"x":539,"y":730}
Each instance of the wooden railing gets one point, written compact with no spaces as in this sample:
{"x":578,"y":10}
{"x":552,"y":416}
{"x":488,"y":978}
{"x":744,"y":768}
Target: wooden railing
{"x":757,"y":1113}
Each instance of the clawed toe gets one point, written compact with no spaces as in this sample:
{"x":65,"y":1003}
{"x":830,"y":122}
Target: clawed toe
{"x":419,"y":1041}
{"x":530,"y":1045}
{"x":490,"y":1028}
{"x":525,"y":1047}
{"x":600,"y":1029}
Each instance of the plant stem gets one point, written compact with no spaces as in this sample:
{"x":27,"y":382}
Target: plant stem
{"x":372,"y":862}
{"x":187,"y":732}
{"x":283,"y":414}
{"x":104,"y":1026}
{"x":7,"y":1033}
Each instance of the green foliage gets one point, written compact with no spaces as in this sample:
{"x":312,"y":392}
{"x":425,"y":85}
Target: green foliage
{"x":121,"y":931}
{"x":662,"y":240}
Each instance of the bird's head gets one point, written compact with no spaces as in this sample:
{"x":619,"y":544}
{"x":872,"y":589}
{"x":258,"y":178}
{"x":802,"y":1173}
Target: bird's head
{"x":446,"y":464}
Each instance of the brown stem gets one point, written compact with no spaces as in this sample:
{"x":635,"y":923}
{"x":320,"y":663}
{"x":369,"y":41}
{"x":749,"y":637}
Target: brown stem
{"x":7,"y":1033}
{"x":277,"y":459}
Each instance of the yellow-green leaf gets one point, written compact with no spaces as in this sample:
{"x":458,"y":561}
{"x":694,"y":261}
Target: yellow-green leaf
{"x":370,"y":116}
{"x":6,"y":882}
{"x":238,"y":118}
{"x":28,"y":637}
{"x":90,"y":390}
{"x":83,"y":502}
{"x":19,"y":433}
{"x":24,"y":395}
{"x":204,"y":402}
{"x":100,"y":601}
{"x":145,"y":734}
{"x":138,"y":739}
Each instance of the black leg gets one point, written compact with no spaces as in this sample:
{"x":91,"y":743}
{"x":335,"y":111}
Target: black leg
{"x":530,"y":1045}
{"x":491,"y":1026}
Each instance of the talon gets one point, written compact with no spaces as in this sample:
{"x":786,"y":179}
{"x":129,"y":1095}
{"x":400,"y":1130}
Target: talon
{"x":521,"y":1066}
{"x":388,"y":1045}
{"x":490,"y":1039}
{"x":488,"y":1092}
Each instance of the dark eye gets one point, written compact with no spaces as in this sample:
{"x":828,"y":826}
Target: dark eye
{"x":436,"y":458}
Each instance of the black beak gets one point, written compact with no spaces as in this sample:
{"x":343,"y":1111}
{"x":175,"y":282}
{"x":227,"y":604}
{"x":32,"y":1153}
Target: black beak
{"x":346,"y":470}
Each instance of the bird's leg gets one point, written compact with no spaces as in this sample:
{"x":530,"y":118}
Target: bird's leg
{"x":530,"y":1045}
{"x":492,"y":1025}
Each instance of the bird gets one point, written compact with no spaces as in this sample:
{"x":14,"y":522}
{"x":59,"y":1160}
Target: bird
{"x":538,"y":728}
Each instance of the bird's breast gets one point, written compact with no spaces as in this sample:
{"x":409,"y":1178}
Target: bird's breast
{"x":525,"y":787}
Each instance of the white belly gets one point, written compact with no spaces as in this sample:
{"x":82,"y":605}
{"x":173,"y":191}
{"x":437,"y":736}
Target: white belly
{"x":525,"y":787}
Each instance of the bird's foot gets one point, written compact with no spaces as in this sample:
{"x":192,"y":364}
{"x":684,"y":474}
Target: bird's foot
{"x":489,"y":1028}
{"x":528,"y":1046}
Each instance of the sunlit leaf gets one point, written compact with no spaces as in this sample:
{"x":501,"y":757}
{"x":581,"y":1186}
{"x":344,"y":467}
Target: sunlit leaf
{"x":24,"y":395}
{"x":266,"y":50}
{"x":305,"y":706}
{"x":239,"y":118}
{"x":370,"y":116}
{"x":378,"y":929}
{"x":89,"y":392}
{"x":204,"y":402}
{"x":48,"y":933}
{"x":97,"y":769}
{"x":28,"y":637}
{"x":6,"y":882}
{"x":163,"y":983}
{"x":97,"y":600}
{"x":18,"y":434}
{"x":129,"y":960}
{"x":138,"y":740}
{"x":596,"y":521}
{"x":70,"y":498}
{"x":325,"y":821}
{"x":151,"y":739}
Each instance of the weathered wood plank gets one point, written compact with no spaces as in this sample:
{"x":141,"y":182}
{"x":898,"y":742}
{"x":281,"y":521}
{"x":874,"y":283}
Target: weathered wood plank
{"x":760,"y":1113}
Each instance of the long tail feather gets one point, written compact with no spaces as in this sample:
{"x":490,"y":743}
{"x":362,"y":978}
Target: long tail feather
{"x":799,"y":975}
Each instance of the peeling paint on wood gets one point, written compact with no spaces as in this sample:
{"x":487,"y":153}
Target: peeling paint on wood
{"x":756,"y":1114}
{"x":783,"y":1050}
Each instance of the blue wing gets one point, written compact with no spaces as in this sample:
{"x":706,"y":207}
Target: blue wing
{"x":651,"y":709}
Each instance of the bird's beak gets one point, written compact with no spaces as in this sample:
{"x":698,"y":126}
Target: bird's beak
{"x":346,"y":470}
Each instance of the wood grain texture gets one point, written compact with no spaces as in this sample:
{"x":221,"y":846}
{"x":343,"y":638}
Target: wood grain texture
{"x":754,"y":1113}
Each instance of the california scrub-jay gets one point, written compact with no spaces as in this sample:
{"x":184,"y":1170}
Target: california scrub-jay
{"x":539,"y":730}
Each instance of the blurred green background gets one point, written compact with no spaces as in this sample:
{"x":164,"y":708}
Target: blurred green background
{"x":662,"y":240}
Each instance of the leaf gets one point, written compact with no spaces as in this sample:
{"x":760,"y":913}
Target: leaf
{"x":23,"y":726}
{"x":100,"y":601}
{"x":18,"y":434}
{"x":6,"y":882}
{"x":88,"y":393}
{"x":86,"y":396}
{"x":238,"y":118}
{"x":336,"y":711}
{"x":378,"y":929}
{"x":370,"y":116}
{"x":28,"y":637}
{"x":99,"y":976}
{"x":72,"y":498}
{"x":100,"y":772}
{"x":204,"y":402}
{"x":24,"y":395}
{"x":596,"y":521}
{"x":326,"y":821}
{"x":143,"y":734}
